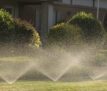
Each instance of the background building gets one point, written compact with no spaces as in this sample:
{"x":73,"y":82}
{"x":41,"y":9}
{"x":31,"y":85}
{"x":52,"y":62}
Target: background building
{"x":45,"y":13}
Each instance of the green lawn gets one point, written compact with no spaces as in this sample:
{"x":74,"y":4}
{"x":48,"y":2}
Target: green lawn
{"x":54,"y":86}
{"x":15,"y":59}
{"x":48,"y":85}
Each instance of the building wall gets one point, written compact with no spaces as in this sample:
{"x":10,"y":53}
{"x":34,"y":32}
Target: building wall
{"x":45,"y":15}
{"x":40,"y":15}
{"x":69,"y":10}
{"x":27,"y":12}
{"x":83,"y":2}
{"x":103,"y":4}
{"x":51,"y":16}
{"x":66,"y":1}
{"x":89,"y":3}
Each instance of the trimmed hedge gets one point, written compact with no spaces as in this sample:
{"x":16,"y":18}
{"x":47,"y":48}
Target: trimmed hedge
{"x":17,"y":32}
{"x":6,"y":26}
{"x":64,"y":34}
{"x":6,"y":21}
{"x":26,"y":34}
{"x":93,"y":30}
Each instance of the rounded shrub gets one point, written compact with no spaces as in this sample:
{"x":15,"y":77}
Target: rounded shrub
{"x":16,"y":36}
{"x":25,"y":34}
{"x":64,"y":35}
{"x":16,"y":31}
{"x":92,"y":29}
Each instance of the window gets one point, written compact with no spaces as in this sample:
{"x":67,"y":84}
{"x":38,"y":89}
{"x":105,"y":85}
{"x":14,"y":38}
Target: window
{"x":93,"y":3}
{"x":59,"y":1}
{"x":10,"y":9}
{"x":71,"y":1}
{"x":58,"y":17}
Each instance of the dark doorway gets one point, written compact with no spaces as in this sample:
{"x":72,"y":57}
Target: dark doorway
{"x":31,"y":13}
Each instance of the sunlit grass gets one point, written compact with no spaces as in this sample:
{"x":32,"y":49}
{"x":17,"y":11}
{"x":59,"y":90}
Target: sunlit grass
{"x":16,"y":59}
{"x":54,"y":86}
